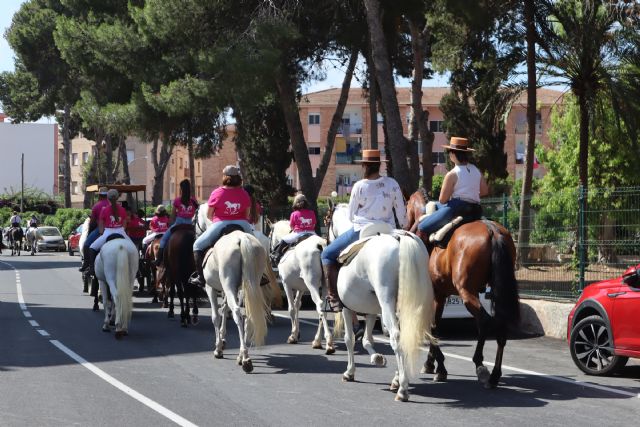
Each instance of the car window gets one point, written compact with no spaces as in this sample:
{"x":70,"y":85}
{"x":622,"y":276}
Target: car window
{"x":79,"y":229}
{"x":49,"y":231}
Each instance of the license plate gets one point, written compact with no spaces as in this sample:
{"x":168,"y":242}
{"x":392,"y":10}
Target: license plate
{"x":454,"y":300}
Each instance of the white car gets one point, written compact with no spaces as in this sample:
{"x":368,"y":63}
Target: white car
{"x":455,"y":309}
{"x":50,"y":239}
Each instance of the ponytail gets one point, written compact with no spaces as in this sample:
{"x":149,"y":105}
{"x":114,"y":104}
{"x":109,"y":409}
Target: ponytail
{"x":114,"y":209}
{"x":185,"y":192}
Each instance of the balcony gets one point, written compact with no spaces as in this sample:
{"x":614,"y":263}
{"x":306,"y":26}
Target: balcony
{"x":350,"y":129}
{"x":522,"y":128}
{"x":347,"y":158}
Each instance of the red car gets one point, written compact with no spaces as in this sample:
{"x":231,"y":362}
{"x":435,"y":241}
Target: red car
{"x":603,"y":329}
{"x":74,"y":240}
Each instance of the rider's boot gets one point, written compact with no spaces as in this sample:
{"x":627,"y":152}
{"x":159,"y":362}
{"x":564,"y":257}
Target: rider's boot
{"x":85,"y":260}
{"x":333,"y":300}
{"x":92,"y":261}
{"x":159,"y":257}
{"x":198,"y":277}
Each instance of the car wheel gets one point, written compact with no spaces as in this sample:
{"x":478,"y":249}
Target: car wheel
{"x":591,"y":347}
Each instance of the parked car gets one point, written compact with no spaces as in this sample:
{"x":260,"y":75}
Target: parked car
{"x":74,"y":240}
{"x":602,"y":328}
{"x":455,"y":309}
{"x":50,"y":239}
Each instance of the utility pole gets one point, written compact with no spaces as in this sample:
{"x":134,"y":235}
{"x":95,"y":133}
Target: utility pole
{"x":22,"y":183}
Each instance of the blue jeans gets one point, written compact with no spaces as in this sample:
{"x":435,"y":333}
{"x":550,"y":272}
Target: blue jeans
{"x":167,"y":234}
{"x":92,"y":237}
{"x":332,"y":251}
{"x":212,"y":234}
{"x":443,"y":215}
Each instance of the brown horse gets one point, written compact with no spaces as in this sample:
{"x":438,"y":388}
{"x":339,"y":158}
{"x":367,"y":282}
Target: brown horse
{"x":479,"y":253}
{"x":156,"y":275}
{"x":179,"y":265}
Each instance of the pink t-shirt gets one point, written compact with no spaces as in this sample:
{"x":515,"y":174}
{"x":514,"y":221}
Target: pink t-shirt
{"x":97,"y":209}
{"x":159,"y":224}
{"x":109,"y":220}
{"x":183,"y":211}
{"x":302,"y":220}
{"x":229,"y":203}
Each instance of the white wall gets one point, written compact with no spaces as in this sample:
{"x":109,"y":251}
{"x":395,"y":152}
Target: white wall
{"x":37,"y":142}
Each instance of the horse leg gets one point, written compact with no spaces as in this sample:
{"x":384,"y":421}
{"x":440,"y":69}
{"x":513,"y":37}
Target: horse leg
{"x":195,"y":319}
{"x":501,"y":339}
{"x":483,"y":322}
{"x":298,"y":303}
{"x":225,"y":313}
{"x":105,"y":304}
{"x":243,"y":355}
{"x":350,"y":341}
{"x":322,"y":323}
{"x":435,"y":353}
{"x":172,"y":295}
{"x":377,"y":359}
{"x":291,"y":305}
{"x":215,"y":319}
{"x":400,"y":380}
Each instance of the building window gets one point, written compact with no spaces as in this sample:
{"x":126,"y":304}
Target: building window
{"x":180,"y":162}
{"x":436,"y":126}
{"x":198,"y":168}
{"x":74,"y":187}
{"x":199,"y":188}
{"x":131,"y":156}
{"x":379,"y":118}
{"x":439,"y":158}
{"x":314,"y":150}
{"x":74,"y":159}
{"x":314,"y":118}
{"x":85,"y":157}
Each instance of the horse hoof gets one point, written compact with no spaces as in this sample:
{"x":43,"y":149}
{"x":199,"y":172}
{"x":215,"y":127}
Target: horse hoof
{"x":378,"y":360}
{"x":483,"y":375}
{"x":348,"y":378}
{"x":112,"y":323}
{"x":330,"y":350}
{"x":394,"y":386}
{"x":217,"y":354}
{"x":106,"y":328}
{"x":292,"y":340}
{"x":154,"y":300}
{"x":120,"y":334}
{"x":316,"y":345}
{"x":428,"y":369}
{"x":440,"y":377}
{"x":224,"y":344}
{"x":247,"y":366}
{"x":96,"y":307}
{"x":402,"y":397}
{"x":493,"y":381}
{"x":184,"y":323}
{"x":239,"y":360}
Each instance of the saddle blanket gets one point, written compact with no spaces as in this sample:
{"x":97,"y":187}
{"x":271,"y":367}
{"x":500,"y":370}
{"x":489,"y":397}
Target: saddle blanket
{"x":350,"y":252}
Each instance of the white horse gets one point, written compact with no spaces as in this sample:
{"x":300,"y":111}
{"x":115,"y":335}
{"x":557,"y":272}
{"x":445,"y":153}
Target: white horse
{"x":301,"y":271}
{"x":116,"y":268}
{"x":236,"y":262}
{"x":388,"y":277}
{"x":32,"y":239}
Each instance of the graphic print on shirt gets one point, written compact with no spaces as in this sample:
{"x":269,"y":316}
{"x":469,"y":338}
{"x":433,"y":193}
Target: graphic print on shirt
{"x":231,"y":208}
{"x":305,"y":221}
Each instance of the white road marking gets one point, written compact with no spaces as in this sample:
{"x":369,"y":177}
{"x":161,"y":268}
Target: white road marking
{"x":509,"y":368}
{"x":97,"y":371}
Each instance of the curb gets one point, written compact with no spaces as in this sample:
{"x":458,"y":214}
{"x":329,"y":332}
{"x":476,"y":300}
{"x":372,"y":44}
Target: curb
{"x":548,"y":318}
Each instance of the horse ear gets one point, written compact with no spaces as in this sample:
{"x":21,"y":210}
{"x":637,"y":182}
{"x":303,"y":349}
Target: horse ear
{"x":269,"y":223}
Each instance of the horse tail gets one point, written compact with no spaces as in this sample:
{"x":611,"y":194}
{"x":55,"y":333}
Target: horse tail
{"x":415,"y":300}
{"x":255,"y":305}
{"x":274,"y":292}
{"x":124,"y":306}
{"x":505,"y":301}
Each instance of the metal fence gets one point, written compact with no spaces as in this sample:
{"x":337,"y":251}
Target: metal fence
{"x":575,"y":237}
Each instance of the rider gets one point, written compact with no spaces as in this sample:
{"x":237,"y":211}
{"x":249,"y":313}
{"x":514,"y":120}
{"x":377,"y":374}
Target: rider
{"x":302,"y":221}
{"x":158,"y":225}
{"x":15,"y":220}
{"x":373,"y":199}
{"x":112,"y":220}
{"x":229,"y":204}
{"x":94,"y":233}
{"x":33,"y":222}
{"x":136,"y":227}
{"x":184,"y":208}
{"x":461,"y":189}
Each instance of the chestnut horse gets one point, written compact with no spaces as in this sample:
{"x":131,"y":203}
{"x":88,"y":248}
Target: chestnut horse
{"x":479,"y":253}
{"x":179,"y":265}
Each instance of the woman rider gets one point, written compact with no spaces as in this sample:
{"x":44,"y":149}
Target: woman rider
{"x":184,"y":208}
{"x":94,"y":233}
{"x":112,"y":220}
{"x":229,"y":204}
{"x":461,"y":189}
{"x":373,"y":199}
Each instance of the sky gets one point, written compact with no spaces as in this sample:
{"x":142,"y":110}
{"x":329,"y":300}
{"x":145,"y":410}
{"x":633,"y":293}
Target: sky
{"x":333,"y":80}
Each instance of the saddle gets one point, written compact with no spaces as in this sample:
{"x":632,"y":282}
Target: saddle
{"x":279,"y":254}
{"x":228,"y":229}
{"x":349,"y":253}
{"x":114,"y":236}
{"x":442,"y":236}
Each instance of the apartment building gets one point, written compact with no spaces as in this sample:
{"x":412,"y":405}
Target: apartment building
{"x":354,"y":135}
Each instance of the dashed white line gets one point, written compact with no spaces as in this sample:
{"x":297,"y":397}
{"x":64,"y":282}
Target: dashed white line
{"x":94,"y":369}
{"x":510,"y":368}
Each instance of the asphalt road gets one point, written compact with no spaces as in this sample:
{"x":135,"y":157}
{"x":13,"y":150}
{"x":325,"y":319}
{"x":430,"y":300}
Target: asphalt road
{"x":57,"y":368}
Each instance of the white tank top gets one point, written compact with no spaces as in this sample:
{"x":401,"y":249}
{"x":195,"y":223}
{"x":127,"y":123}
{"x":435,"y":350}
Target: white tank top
{"x":468,"y":186}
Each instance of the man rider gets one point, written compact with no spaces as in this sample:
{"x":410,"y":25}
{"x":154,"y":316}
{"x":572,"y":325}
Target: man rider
{"x":15,"y":220}
{"x":33,"y":222}
{"x":94,"y":233}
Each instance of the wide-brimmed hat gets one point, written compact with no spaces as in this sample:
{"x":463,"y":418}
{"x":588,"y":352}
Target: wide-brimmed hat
{"x":371,"y":156}
{"x":113,"y":194}
{"x":103,"y":191}
{"x":161,"y":210}
{"x":299,"y":199}
{"x":231,"y":170}
{"x":458,"y":144}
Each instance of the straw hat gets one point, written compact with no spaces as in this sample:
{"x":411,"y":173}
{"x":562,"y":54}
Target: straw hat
{"x":102,"y":191}
{"x":458,"y":144}
{"x":371,"y":156}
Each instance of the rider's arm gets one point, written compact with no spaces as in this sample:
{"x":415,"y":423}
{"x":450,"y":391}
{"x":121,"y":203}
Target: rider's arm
{"x":353,"y":200}
{"x":484,"y":188}
{"x":399,"y":206}
{"x":100,"y":225}
{"x":448,"y":185}
{"x":210,"y":212}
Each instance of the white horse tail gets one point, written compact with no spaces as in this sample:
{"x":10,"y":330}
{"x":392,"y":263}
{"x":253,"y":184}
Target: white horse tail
{"x":124,"y":306}
{"x":274,"y":292}
{"x":255,"y":305}
{"x":415,"y":300}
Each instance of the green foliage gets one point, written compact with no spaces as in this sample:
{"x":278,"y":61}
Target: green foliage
{"x":67,"y":219}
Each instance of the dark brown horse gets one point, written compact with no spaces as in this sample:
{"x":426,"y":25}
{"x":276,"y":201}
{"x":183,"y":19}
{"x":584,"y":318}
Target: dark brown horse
{"x":155,"y":275}
{"x":479,"y":253}
{"x":179,"y":265}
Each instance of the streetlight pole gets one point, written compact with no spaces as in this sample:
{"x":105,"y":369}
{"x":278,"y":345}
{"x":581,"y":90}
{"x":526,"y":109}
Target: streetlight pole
{"x":22,"y":183}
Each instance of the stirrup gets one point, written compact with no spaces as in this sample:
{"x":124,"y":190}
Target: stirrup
{"x":330,"y":306}
{"x":196,"y":280}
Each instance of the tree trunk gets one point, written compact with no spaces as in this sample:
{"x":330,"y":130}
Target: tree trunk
{"x":336,"y":120}
{"x":396,"y":144}
{"x":90,"y":178}
{"x":287,"y":87}
{"x":108,"y":157}
{"x":426,"y":139}
{"x":66,"y":156}
{"x":373,"y":104}
{"x":192,"y":164}
{"x":160,"y":161}
{"x":126,"y":176}
{"x":524,"y":225}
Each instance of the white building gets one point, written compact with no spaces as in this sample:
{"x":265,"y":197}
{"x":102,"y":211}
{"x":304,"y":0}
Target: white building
{"x":39,"y":144}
